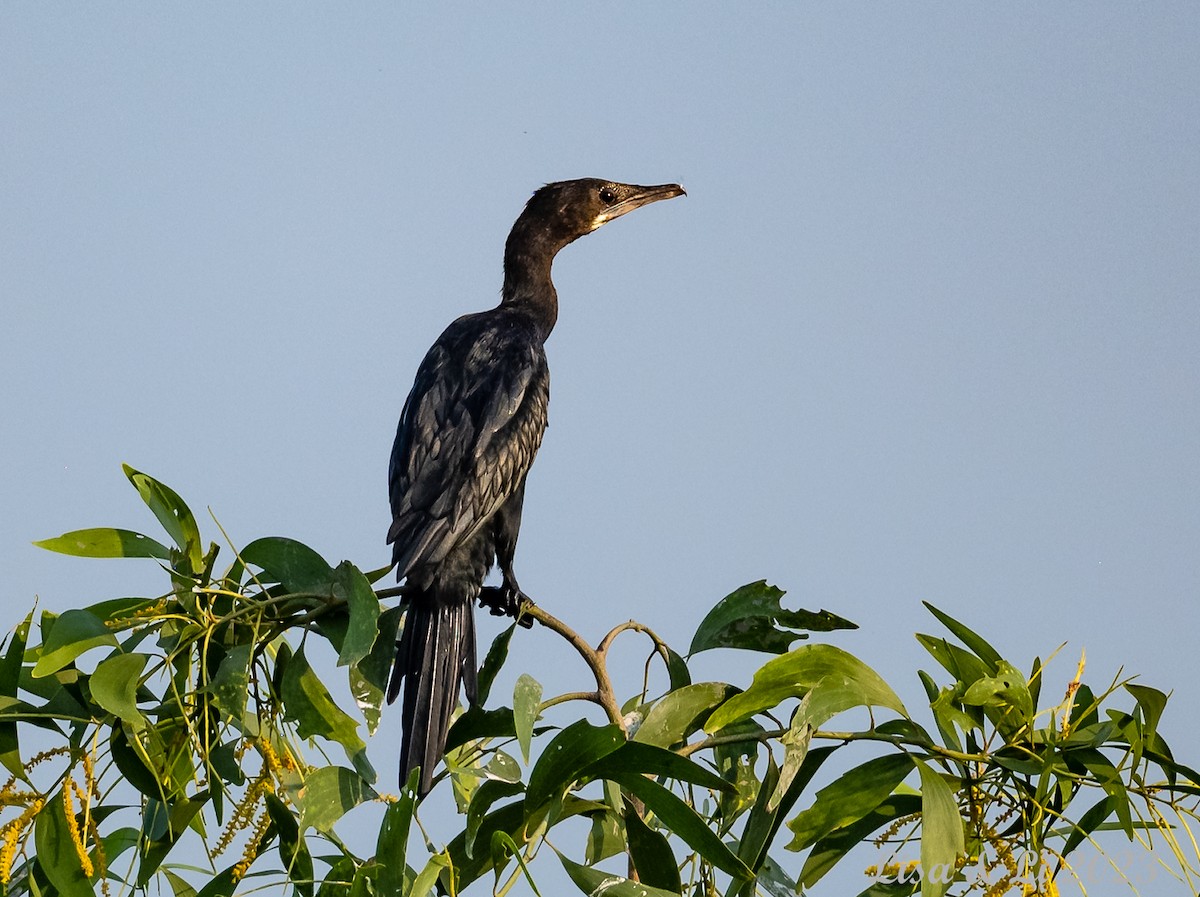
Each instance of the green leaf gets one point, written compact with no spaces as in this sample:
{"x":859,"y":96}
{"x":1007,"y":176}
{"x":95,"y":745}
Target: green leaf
{"x":292,"y":848}
{"x":1152,"y":703}
{"x":496,"y":655}
{"x":351,"y":586}
{"x":307,"y":703}
{"x":527,"y":701}
{"x":368,"y":677}
{"x":962,"y":665}
{"x":1006,"y":693}
{"x":844,"y":681}
{"x":222,"y":884}
{"x":133,"y":766}
{"x":606,"y":838}
{"x":635,"y":759}
{"x":774,"y":882}
{"x":1108,"y":777}
{"x":677,"y":671}
{"x":340,"y":877}
{"x":566,"y":757}
{"x":830,"y":850}
{"x":596,"y":883}
{"x":941,"y":833}
{"x":179,"y":817}
{"x":677,"y":715}
{"x":106,"y":542}
{"x":1088,"y":823}
{"x":392,"y":843}
{"x":475,"y":723}
{"x":56,"y":851}
{"x":978,"y":645}
{"x":179,"y":886}
{"x":328,"y":794}
{"x":10,"y":679}
{"x":292,"y":564}
{"x":683,"y":821}
{"x":230,"y":687}
{"x":509,"y":819}
{"x":75,"y":632}
{"x":795,"y":743}
{"x":175,"y":516}
{"x":114,"y":687}
{"x":753,"y":618}
{"x":504,"y":767}
{"x":762,"y":824}
{"x":481,"y":802}
{"x":849,"y":798}
{"x":651,"y":853}
{"x":427,"y":877}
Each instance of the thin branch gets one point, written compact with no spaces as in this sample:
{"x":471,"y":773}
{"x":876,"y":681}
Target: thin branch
{"x":595,"y":661}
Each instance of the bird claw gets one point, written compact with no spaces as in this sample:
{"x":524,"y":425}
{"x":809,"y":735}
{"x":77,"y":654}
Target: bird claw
{"x":506,"y":601}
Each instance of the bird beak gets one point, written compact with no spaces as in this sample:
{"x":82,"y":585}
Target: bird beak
{"x":640,"y":196}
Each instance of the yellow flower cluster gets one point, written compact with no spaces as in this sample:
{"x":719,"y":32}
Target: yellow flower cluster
{"x":243,"y":813}
{"x":14,"y":833}
{"x":70,"y":790}
{"x":243,"y":818}
{"x":251,"y":849}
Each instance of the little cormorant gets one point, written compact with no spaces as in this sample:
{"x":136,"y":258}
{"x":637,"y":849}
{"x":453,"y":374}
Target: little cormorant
{"x":467,"y":436}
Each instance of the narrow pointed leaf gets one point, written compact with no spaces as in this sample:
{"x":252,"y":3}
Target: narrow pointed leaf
{"x":684,"y":822}
{"x":174,"y":515}
{"x":56,"y":851}
{"x":763,"y":824}
{"x":292,"y":848}
{"x":10,"y":678}
{"x":481,"y":803}
{"x":596,"y":883}
{"x":651,"y":853}
{"x":392,"y":844}
{"x":635,"y":759}
{"x":941,"y":833}
{"x":976,"y":643}
{"x":829,"y":851}
{"x":607,"y":837}
{"x":1088,"y":823}
{"x":849,"y":798}
{"x":496,"y":655}
{"x":351,"y":586}
{"x":527,"y":700}
{"x":106,"y":542}
{"x":75,"y":632}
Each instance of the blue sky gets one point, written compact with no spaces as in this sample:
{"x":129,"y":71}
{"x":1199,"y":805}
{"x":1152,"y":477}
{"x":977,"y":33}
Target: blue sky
{"x":925,"y":326}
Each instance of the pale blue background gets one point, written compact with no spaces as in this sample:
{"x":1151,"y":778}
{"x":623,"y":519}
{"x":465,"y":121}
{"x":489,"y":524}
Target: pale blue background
{"x":924,"y":328}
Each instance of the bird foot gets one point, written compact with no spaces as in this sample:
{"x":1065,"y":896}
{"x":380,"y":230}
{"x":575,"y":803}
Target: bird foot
{"x":506,"y":601}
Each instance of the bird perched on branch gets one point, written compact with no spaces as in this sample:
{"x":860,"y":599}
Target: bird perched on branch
{"x":467,"y":437}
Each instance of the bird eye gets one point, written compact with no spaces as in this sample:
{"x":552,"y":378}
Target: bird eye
{"x":607,"y":195}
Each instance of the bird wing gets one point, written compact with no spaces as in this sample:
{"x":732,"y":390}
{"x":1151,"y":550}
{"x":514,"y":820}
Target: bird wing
{"x":467,"y":436}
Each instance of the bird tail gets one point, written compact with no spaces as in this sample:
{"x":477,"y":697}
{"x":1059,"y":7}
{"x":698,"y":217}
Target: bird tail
{"x":435,"y":653}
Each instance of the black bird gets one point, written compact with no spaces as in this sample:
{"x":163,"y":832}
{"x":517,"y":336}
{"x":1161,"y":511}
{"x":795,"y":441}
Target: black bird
{"x":467,"y":436}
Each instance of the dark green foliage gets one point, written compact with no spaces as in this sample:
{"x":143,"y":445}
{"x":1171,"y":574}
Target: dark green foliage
{"x":205,"y":703}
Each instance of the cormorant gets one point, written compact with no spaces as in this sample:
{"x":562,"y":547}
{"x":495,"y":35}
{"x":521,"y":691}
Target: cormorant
{"x":467,"y":436}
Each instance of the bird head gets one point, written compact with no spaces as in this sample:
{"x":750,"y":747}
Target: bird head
{"x":568,"y":210}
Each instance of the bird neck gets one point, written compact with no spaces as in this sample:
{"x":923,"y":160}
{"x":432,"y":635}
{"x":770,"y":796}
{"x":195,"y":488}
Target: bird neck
{"x":527,"y":283}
